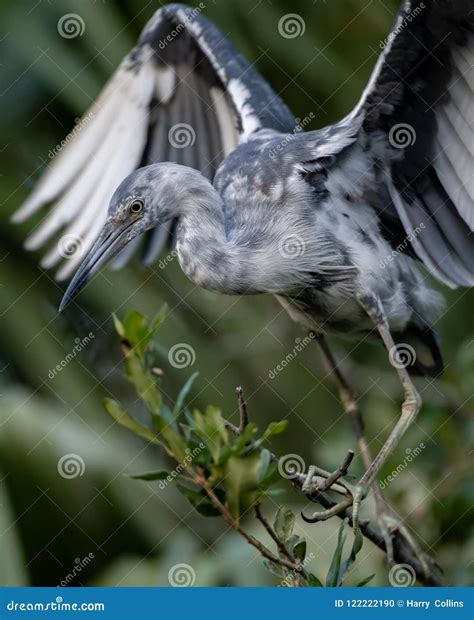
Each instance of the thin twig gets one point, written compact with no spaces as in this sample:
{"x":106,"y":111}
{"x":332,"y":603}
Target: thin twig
{"x":202,"y":481}
{"x":340,"y":472}
{"x":279,"y":543}
{"x":243,"y":415}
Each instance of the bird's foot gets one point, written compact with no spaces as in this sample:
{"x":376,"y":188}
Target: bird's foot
{"x":391,"y":525}
{"x":360,"y":493}
{"x":318,"y":481}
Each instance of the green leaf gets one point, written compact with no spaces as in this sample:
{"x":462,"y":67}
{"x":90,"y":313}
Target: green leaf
{"x":173,"y":444}
{"x":356,"y":547}
{"x":284,"y":523}
{"x":275,"y":428}
{"x":200,"y":501}
{"x":145,"y":385}
{"x":152,"y":475}
{"x":160,"y":316}
{"x":272,"y":477}
{"x":119,"y":328}
{"x":136,"y":331}
{"x":210,"y":427}
{"x":332,"y":578}
{"x":275,"y":569}
{"x":124,"y":419}
{"x":313,"y":581}
{"x":365,"y":581}
{"x":264,"y":465}
{"x":183,"y":393}
{"x":299,"y":550}
{"x":241,"y":482}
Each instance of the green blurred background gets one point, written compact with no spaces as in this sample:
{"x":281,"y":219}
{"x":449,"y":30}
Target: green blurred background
{"x":133,"y":532}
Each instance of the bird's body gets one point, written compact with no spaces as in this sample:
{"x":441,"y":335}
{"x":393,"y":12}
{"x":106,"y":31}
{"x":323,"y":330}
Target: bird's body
{"x":309,"y":236}
{"x":334,"y":222}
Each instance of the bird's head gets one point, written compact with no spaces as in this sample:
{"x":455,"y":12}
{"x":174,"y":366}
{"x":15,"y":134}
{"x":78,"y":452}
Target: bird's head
{"x":146,"y":198}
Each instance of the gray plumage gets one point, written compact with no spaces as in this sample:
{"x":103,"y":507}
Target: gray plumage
{"x":256,"y":205}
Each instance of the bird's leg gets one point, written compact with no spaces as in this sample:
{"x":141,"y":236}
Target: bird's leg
{"x":387,"y":519}
{"x":410,"y":407}
{"x":349,"y":402}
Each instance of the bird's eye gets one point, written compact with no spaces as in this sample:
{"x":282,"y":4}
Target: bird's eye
{"x":136,"y":206}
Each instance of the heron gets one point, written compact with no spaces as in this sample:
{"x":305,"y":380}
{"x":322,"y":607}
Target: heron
{"x":189,"y":144}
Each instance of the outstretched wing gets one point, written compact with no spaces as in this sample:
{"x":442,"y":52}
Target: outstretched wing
{"x":183,"y":94}
{"x":416,"y":117}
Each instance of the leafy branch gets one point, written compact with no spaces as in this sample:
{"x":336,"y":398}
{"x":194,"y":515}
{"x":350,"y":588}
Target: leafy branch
{"x":223,"y":470}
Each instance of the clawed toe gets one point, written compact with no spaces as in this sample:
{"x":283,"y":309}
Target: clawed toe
{"x":318,"y":480}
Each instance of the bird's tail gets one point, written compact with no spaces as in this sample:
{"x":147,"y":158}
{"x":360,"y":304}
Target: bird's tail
{"x":417,"y":348}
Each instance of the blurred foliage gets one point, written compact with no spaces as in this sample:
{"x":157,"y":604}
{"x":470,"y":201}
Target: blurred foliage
{"x":136,"y":533}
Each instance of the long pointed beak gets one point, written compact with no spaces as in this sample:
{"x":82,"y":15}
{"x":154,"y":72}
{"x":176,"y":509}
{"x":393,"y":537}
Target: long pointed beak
{"x":108,"y":244}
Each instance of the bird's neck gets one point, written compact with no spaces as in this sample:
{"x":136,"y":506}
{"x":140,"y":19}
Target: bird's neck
{"x":204,"y":252}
